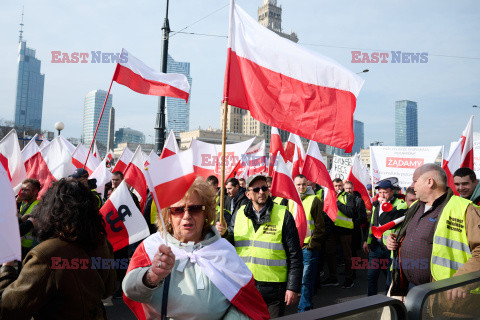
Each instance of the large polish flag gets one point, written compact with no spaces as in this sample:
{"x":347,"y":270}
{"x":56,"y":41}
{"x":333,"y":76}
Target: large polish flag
{"x":283,"y":186}
{"x":315,"y":170}
{"x":453,"y":162}
{"x":276,"y":146}
{"x":139,"y":77}
{"x":359,"y":177}
{"x":135,"y":175}
{"x":287,"y":86}
{"x":12,"y":161}
{"x":30,"y":149}
{"x":123,"y":161}
{"x":10,"y":248}
{"x":80,"y":155}
{"x":207,"y":157}
{"x":171,"y":177}
{"x":102,"y":175}
{"x":170,"y":147}
{"x":219,"y":262}
{"x":253,"y":161}
{"x":124,"y":223}
{"x":467,"y":145}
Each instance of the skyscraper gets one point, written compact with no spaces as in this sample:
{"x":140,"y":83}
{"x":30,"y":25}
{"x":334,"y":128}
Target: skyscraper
{"x":91,"y":113}
{"x":129,"y":135}
{"x":30,"y":84}
{"x":178,"y":112}
{"x":406,"y":123}
{"x":358,"y":144}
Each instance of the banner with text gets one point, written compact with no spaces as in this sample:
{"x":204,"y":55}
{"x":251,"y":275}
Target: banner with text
{"x":341,"y":167}
{"x":476,"y":157}
{"x":400,"y":162}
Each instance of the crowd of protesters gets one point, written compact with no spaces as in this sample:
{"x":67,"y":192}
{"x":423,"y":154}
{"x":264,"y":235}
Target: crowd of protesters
{"x":66,"y":225}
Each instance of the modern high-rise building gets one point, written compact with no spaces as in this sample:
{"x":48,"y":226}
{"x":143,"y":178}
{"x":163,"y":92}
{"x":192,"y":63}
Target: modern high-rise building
{"x":406,"y":123}
{"x":129,"y":135}
{"x":178,"y":112}
{"x":30,"y":84}
{"x":358,"y":131}
{"x":91,"y":113}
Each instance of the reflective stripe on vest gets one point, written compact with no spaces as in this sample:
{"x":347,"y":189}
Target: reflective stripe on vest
{"x":342,"y":220}
{"x":450,"y":244}
{"x":307,"y":206}
{"x":28,"y":239}
{"x":262,"y":251}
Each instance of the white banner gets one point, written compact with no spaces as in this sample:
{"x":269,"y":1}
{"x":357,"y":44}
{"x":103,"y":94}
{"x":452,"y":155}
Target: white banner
{"x":400,"y":162}
{"x":341,"y":167}
{"x":476,"y":157}
{"x":9,"y":231}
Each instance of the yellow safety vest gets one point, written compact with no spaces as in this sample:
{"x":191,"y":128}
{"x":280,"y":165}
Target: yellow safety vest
{"x":398,"y":204}
{"x":262,"y":251}
{"x":28,"y":239}
{"x":342,"y":220}
{"x":319,"y":194}
{"x":307,"y":206}
{"x":153,"y":213}
{"x":277,"y":200}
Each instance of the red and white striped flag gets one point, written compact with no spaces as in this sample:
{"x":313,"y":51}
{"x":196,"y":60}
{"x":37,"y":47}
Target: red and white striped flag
{"x":283,"y":186}
{"x":80,"y":155}
{"x":124,"y":223}
{"x":359,"y":177}
{"x":276,"y":146}
{"x":102,"y":175}
{"x":135,"y":175}
{"x":467,"y":145}
{"x":315,"y":170}
{"x":95,"y":151}
{"x":290,"y":147}
{"x":133,"y":73}
{"x":12,"y":161}
{"x":452,"y":163}
{"x":298,"y":90}
{"x":123,"y":161}
{"x":171,"y":146}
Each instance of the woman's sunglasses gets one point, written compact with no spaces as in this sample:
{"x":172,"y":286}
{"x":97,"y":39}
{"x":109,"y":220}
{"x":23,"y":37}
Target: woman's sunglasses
{"x":257,"y":189}
{"x":193,"y":209}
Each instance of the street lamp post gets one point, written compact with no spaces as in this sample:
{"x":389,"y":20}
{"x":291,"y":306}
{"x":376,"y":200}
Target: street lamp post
{"x":59,"y":126}
{"x":160,"y":122}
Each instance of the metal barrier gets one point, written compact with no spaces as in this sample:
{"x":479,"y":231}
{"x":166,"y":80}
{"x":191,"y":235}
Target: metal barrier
{"x":353,"y":308}
{"x":417,"y":296}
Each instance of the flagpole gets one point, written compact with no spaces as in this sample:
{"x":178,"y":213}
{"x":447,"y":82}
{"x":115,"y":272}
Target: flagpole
{"x":101,"y":114}
{"x":159,"y":210}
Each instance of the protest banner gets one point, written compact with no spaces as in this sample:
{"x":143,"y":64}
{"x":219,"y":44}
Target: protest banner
{"x":400,"y":162}
{"x":341,"y":167}
{"x":476,"y":157}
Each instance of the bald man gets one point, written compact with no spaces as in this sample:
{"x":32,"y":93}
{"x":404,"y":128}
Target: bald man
{"x":439,"y":238}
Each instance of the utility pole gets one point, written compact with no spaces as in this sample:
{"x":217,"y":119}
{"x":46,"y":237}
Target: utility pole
{"x":160,"y":122}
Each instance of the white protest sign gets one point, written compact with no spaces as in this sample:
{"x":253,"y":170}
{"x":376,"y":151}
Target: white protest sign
{"x":476,"y":157}
{"x":400,"y":162}
{"x":341,"y":167}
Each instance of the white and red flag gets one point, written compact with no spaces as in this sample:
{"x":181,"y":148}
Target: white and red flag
{"x":315,"y":170}
{"x":283,"y":186}
{"x":109,"y":158}
{"x":10,"y":248}
{"x":30,"y":149}
{"x":207,"y":157}
{"x":287,"y":86}
{"x":102,"y":175}
{"x":123,"y":161}
{"x":253,"y":161}
{"x":170,"y":147}
{"x":359,"y":177}
{"x":296,"y":164}
{"x":290,"y":147}
{"x":12,"y":161}
{"x":453,"y":162}
{"x":276,"y":146}
{"x":124,"y":223}
{"x":80,"y":155}
{"x":151,"y":158}
{"x":133,"y":73}
{"x":95,"y":152}
{"x":135,"y":175}
{"x":219,"y":262}
{"x":44,"y":143}
{"x":467,"y":145}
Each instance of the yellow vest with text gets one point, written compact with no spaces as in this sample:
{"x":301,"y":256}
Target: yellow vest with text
{"x":262,"y":251}
{"x":342,"y":220}
{"x":28,"y":239}
{"x":307,"y":206}
{"x":397,"y":204}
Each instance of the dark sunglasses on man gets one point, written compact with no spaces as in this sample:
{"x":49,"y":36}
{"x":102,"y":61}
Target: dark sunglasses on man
{"x":257,"y":189}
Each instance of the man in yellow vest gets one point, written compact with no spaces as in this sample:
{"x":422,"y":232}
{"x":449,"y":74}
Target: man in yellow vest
{"x":313,"y":239}
{"x":439,"y":238}
{"x":338,"y":233}
{"x":28,"y":196}
{"x":378,"y":254}
{"x":266,"y":238}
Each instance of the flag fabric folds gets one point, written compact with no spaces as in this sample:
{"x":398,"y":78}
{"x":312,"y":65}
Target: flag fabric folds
{"x":359,"y":177}
{"x":135,"y":175}
{"x":80,"y":155}
{"x":123,"y":161}
{"x":124,"y":223}
{"x":102,"y":175}
{"x":171,"y":146}
{"x":133,"y":73}
{"x":9,"y":232}
{"x":298,"y":90}
{"x":467,"y":145}
{"x":12,"y":161}
{"x":452,"y":163}
{"x":276,"y":146}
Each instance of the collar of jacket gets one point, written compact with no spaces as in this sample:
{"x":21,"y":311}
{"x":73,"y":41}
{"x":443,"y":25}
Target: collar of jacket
{"x":308,"y":192}
{"x":264,"y":217}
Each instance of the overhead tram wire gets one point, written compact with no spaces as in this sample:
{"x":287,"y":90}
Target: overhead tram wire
{"x":208,"y":15}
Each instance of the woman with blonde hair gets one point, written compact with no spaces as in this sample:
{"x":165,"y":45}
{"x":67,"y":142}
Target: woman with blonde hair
{"x":197,"y":274}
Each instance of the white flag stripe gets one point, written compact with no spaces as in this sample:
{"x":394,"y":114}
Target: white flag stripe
{"x":9,"y":231}
{"x":179,"y":165}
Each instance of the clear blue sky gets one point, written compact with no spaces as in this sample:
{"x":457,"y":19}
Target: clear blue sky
{"x":445,"y":88}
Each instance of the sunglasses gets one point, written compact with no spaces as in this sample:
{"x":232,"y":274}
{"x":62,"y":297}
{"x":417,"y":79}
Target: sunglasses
{"x":193,"y":209}
{"x":257,"y":189}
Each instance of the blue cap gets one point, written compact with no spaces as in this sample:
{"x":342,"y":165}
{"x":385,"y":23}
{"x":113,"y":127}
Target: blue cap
{"x":385,"y":184}
{"x":79,"y":173}
{"x":369,"y":186}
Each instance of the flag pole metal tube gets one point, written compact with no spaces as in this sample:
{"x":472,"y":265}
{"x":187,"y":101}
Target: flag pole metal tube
{"x":100,"y":119}
{"x":224,"y":143}
{"x":159,"y":210}
{"x":160,"y":121}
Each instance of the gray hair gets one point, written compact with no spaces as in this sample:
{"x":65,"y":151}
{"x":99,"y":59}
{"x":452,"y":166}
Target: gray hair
{"x":439,"y":175}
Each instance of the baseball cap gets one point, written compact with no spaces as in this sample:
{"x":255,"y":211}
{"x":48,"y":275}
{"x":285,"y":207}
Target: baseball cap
{"x":79,"y":173}
{"x":255,"y":177}
{"x":384,"y":184}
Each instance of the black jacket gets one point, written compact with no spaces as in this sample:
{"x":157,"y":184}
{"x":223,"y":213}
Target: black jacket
{"x":240,"y":201}
{"x":290,"y":241}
